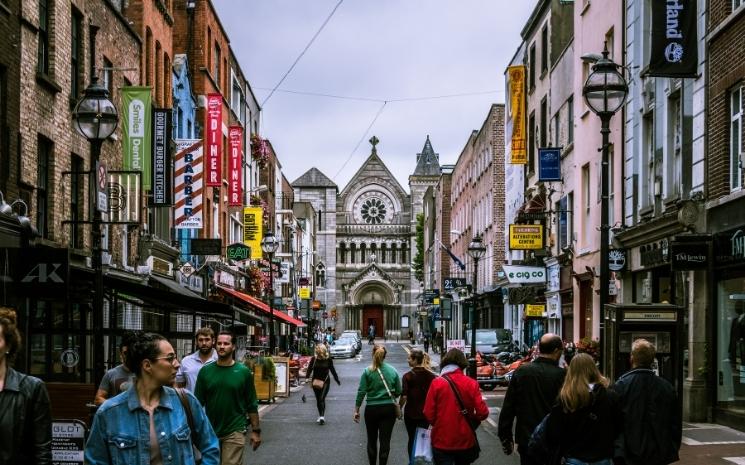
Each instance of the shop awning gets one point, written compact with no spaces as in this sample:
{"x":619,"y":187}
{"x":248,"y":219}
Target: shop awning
{"x":258,"y":304}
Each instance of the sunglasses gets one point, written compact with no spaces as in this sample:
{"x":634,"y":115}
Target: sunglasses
{"x":170,"y":358}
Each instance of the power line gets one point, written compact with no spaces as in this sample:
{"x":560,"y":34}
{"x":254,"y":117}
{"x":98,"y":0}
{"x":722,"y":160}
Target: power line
{"x":380,"y":110}
{"x":303,"y":52}
{"x":317,"y":94}
{"x":371,"y":99}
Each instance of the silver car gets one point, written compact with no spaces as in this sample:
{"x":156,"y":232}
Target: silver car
{"x":350,"y":333}
{"x":343,"y":347}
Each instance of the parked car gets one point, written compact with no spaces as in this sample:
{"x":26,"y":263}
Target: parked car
{"x":343,"y":347}
{"x":354,"y":335}
{"x":491,"y":341}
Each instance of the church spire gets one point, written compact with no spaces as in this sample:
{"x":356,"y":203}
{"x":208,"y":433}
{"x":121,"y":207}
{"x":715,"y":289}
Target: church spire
{"x":427,"y":162}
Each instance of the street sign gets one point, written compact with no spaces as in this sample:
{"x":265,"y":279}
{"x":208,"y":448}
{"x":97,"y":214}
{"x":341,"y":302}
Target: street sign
{"x":187,"y":269}
{"x":430,"y":295}
{"x":102,"y":195}
{"x":304,"y":293}
{"x":325,"y":315}
{"x":453,"y":283}
{"x":238,"y":251}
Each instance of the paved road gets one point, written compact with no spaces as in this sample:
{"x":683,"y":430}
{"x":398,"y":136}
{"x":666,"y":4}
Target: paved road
{"x":291,"y":435}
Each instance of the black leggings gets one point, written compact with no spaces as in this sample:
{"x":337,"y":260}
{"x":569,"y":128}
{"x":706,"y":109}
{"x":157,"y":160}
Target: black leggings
{"x":411,"y":426}
{"x":379,"y":421}
{"x":321,"y":397}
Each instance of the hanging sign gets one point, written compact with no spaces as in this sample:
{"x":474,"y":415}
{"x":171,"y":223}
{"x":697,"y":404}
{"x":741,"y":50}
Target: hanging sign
{"x":188,"y":184}
{"x":518,"y":274}
{"x":519,"y":140}
{"x":686,"y":256}
{"x":304,"y":293}
{"x":161,"y":157}
{"x":674,"y":39}
{"x":238,"y":252}
{"x":136,"y":129}
{"x":252,"y":222}
{"x":235,"y":165}
{"x":549,"y":164}
{"x":526,"y":236}
{"x":535,"y":310}
{"x":213,"y":140}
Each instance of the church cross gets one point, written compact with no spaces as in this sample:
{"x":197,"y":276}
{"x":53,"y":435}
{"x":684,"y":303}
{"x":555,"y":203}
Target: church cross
{"x":374,"y":141}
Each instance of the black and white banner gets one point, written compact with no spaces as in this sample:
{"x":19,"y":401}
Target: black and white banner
{"x":161,"y":195}
{"x":674,"y":39}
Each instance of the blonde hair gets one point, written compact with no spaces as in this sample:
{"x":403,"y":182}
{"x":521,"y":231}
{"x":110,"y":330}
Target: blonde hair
{"x":575,"y":393}
{"x":379,"y":352}
{"x":322,"y":352}
{"x":643,"y":352}
{"x":427,"y":362}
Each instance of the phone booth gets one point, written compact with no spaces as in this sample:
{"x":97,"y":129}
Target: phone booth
{"x":660,"y":324}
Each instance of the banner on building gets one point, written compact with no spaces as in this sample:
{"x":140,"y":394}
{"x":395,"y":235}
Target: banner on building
{"x":162,"y":179}
{"x":519,"y":144}
{"x":252,"y":234}
{"x":213,"y":140}
{"x":549,"y":164}
{"x":674,"y":48}
{"x":526,"y":236}
{"x":235,"y":165}
{"x":136,"y":129}
{"x":188,"y":184}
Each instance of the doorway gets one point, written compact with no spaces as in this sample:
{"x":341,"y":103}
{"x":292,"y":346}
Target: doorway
{"x":372,"y":315}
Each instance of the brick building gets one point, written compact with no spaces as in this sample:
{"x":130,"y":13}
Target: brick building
{"x":10,"y":61}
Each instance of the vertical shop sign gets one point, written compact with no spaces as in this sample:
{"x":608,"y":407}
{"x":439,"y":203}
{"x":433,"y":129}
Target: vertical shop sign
{"x":252,"y":222}
{"x":188,"y":184}
{"x":549,"y":164}
{"x":674,"y":39}
{"x":213,"y":141}
{"x":519,"y":152}
{"x":235,"y":164}
{"x":136,"y":129}
{"x":161,"y":157}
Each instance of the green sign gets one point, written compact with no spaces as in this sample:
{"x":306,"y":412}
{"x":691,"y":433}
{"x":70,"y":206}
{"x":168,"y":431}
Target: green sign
{"x":238,"y":251}
{"x":137,"y":129}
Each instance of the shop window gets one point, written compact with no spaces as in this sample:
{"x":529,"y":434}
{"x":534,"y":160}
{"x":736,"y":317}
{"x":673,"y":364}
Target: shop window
{"x":731,"y":345}
{"x":735,"y":138}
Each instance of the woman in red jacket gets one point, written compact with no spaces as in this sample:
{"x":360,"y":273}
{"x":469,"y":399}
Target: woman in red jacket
{"x":453,"y":433}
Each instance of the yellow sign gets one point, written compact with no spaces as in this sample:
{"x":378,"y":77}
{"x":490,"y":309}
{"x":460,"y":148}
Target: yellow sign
{"x":436,"y":301}
{"x":535,"y":310}
{"x":252,"y":222}
{"x":526,"y":236}
{"x":519,"y":152}
{"x":304,"y":293}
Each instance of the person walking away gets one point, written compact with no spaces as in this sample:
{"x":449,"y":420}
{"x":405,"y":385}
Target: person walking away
{"x":426,"y":343}
{"x":530,"y":395}
{"x":319,"y":368}
{"x":415,"y":385}
{"x":191,"y":364}
{"x":25,"y":415}
{"x":587,"y":419}
{"x":652,"y":425}
{"x":227,"y":392}
{"x":454,"y":407}
{"x":143,"y":424}
{"x":120,"y":378}
{"x":380,"y":385}
{"x":371,"y":335}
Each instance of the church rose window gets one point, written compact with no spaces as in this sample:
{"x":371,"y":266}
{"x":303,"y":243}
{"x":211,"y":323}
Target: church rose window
{"x":373,"y":211}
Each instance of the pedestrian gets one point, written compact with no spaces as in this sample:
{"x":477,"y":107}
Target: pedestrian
{"x":584,"y":423}
{"x":192,"y":363}
{"x":25,"y":415}
{"x":371,"y":334}
{"x":411,"y":337}
{"x":531,"y":394}
{"x":438,"y":342}
{"x":319,"y":368}
{"x":455,"y":408}
{"x":120,"y":378}
{"x":380,"y":385}
{"x":151,"y":423}
{"x":227,"y":392}
{"x":652,"y":426}
{"x":415,"y":385}
{"x":426,"y":343}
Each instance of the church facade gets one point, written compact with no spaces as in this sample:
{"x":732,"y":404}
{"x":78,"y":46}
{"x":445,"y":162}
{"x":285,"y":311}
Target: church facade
{"x":366,"y":243}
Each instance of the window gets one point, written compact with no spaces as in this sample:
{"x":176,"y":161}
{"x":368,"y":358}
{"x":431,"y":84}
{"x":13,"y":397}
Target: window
{"x":42,"y":64}
{"x":647,"y":184}
{"x":611,"y":185}
{"x":321,"y":275}
{"x":76,"y":201}
{"x":76,"y":46}
{"x":586,"y":203}
{"x":531,"y":142}
{"x":158,"y":91}
{"x":531,"y":66}
{"x":352,"y":252}
{"x":148,"y":57}
{"x":4,"y":131}
{"x":544,"y":49}
{"x":570,"y":119}
{"x":561,"y":207}
{"x":735,"y":138}
{"x":43,"y":177}
{"x":609,"y":42}
{"x":180,"y":123}
{"x":544,"y":122}
{"x":217,"y":64}
{"x":108,"y":71}
{"x":737,"y":4}
{"x":557,"y":129}
{"x":675,"y":136}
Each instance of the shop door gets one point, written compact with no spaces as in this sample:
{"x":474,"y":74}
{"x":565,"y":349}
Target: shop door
{"x":372,"y":315}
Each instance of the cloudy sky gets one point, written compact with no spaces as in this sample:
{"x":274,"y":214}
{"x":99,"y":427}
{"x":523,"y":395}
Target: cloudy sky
{"x":373,"y":51}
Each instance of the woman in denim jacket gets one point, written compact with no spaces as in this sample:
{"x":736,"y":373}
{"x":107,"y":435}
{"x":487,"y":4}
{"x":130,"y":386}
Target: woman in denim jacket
{"x":147,"y":423}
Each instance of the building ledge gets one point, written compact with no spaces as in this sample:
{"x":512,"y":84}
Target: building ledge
{"x":658,"y":227}
{"x":48,"y":83}
{"x":732,"y":196}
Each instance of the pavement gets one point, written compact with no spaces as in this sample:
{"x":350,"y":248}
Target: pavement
{"x":291,"y":435}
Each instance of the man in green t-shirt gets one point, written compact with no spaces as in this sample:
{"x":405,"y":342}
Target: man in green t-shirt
{"x":226,"y":390}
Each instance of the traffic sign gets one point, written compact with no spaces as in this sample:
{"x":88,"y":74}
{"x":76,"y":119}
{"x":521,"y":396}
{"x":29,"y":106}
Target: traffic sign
{"x":325,"y":315}
{"x":102,"y":196}
{"x":187,"y":269}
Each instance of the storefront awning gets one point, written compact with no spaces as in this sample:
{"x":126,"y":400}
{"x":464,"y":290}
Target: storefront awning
{"x":256,"y":303}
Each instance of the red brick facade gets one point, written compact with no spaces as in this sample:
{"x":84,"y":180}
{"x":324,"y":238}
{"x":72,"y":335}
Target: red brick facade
{"x":10,"y":63}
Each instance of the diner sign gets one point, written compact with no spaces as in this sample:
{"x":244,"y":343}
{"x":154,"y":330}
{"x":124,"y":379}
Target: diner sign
{"x":213,"y":141}
{"x":235,"y":165}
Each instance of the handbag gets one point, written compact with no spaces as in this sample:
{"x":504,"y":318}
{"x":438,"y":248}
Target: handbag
{"x":472,"y":422}
{"x":393,"y":399}
{"x":318,"y":383}
{"x":421,"y":453}
{"x":190,"y":420}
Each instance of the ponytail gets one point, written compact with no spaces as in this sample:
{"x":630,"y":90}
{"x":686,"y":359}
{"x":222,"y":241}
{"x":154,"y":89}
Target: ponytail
{"x":379,"y":353}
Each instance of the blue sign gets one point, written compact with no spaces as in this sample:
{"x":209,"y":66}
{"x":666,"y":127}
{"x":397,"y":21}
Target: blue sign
{"x":549,"y":164}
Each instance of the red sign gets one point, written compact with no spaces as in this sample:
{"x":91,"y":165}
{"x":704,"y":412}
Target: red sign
{"x":213,"y":140}
{"x":235,"y":165}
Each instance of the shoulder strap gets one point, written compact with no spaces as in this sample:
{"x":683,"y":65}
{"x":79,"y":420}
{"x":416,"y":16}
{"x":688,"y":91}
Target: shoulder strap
{"x":386,"y":386}
{"x":187,"y":410}
{"x":463,"y":409}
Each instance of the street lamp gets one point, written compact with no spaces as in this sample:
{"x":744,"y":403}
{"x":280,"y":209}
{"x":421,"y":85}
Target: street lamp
{"x":270,"y":244}
{"x":95,"y":118}
{"x":476,"y":250}
{"x":605,"y":93}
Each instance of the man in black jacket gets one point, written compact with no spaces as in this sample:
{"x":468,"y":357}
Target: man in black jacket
{"x":532,"y":392}
{"x":652,"y":428}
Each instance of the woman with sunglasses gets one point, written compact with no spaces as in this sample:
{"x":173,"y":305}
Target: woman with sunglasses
{"x":149,"y":421}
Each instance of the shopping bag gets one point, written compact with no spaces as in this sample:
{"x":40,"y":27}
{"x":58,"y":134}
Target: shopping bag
{"x":422,"y":454}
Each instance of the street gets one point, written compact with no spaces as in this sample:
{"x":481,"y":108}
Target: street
{"x":291,"y":435}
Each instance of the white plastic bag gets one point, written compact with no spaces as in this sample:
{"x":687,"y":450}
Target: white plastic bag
{"x":422,"y":447}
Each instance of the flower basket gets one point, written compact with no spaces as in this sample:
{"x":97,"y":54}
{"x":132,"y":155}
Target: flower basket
{"x":265,"y":365}
{"x":259,"y":150}
{"x":589,"y":346}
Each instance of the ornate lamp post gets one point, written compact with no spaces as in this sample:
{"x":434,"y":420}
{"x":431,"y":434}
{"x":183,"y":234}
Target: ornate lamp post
{"x":476,"y":250}
{"x":605,"y":92}
{"x":95,"y":118}
{"x":270,"y":244}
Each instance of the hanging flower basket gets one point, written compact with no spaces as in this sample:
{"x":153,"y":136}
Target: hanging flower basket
{"x":589,"y":346}
{"x":258,"y":281}
{"x":259,"y":150}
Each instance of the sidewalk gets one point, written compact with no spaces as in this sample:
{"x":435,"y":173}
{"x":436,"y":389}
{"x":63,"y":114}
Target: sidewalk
{"x":710,"y":444}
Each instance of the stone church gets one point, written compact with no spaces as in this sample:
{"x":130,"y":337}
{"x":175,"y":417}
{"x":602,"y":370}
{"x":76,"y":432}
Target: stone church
{"x":366,"y":242}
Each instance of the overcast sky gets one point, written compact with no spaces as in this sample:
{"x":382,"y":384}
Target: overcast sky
{"x":373,"y":49}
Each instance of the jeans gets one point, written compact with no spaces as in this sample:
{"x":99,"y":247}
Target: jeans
{"x":411,"y":426}
{"x":571,"y":461}
{"x":379,"y":421}
{"x":321,"y":397}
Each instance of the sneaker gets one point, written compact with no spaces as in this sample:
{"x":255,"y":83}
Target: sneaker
{"x":321,"y":421}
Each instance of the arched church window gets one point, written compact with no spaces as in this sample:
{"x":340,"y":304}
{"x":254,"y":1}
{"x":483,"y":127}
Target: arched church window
{"x":393,"y":253}
{"x":321,"y":275}
{"x":363,"y":253}
{"x":374,"y":251}
{"x":383,"y":252}
{"x":352,"y":252}
{"x":342,"y":258}
{"x":403,"y":254}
